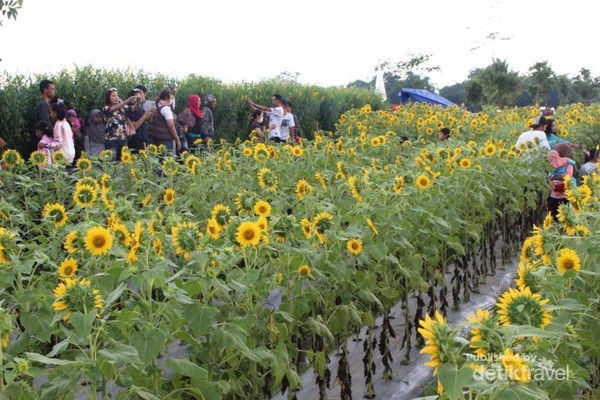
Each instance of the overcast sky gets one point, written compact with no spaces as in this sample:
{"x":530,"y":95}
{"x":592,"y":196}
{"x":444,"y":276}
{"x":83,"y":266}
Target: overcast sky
{"x":328,"y":42}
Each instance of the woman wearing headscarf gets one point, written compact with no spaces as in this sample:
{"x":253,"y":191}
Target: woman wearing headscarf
{"x":191,"y":116}
{"x":93,"y":140}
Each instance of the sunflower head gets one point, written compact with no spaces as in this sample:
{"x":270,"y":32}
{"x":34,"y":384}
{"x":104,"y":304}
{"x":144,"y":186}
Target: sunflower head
{"x":186,"y":238}
{"x":568,"y":260}
{"x":98,"y":241}
{"x":423,"y":182}
{"x":526,"y":278}
{"x":38,"y":159}
{"x":262,"y":208}
{"x":303,"y":189}
{"x":213,"y":228}
{"x":354,"y":246}
{"x":514,"y":366}
{"x":76,"y":295}
{"x":222,"y":214}
{"x":55,"y":213}
{"x":244,"y":202}
{"x":522,"y":307}
{"x":67,"y":268}
{"x":84,"y":195}
{"x":84,"y":164}
{"x":248,"y":233}
{"x":304,"y":270}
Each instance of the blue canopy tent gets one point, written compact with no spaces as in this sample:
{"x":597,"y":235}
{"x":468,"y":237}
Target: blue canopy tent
{"x":423,"y":96}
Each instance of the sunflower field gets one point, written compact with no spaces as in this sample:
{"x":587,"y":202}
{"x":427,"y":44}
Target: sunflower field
{"x":227,"y":273}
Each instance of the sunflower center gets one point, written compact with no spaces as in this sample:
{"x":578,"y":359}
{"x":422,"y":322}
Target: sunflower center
{"x":99,"y":241}
{"x":568,"y":264}
{"x":248,"y":234}
{"x":68,"y":271}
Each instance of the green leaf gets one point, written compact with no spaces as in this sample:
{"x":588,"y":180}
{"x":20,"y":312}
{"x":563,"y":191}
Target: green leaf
{"x":148,"y":344}
{"x":58,"y":348}
{"x":454,"y":380}
{"x":200,"y":318}
{"x":82,"y":323}
{"x":38,"y":323}
{"x":114,"y":295}
{"x":185,"y":367}
{"x":143,"y":394}
{"x":47,"y":360}
{"x":121,"y":354}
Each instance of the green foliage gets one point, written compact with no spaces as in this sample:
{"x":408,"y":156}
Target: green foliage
{"x":83,"y":88}
{"x":10,"y":9}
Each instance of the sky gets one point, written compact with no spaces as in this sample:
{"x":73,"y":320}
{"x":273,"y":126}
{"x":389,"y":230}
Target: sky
{"x":325,"y":42}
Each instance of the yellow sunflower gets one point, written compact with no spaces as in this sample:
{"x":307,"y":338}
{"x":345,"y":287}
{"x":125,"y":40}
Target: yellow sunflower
{"x":514,"y":366}
{"x":306,"y":227}
{"x":222,"y":214}
{"x":248,"y":234}
{"x":525,"y":278}
{"x":98,"y":241}
{"x":262,"y":208}
{"x":297,"y":151}
{"x":304,"y":270}
{"x":84,"y":195}
{"x":489,"y":150}
{"x":478,"y":333}
{"x":354,"y":246}
{"x":56,"y":213}
{"x":372,"y":227}
{"x":522,"y":307}
{"x":67,"y":268}
{"x":465,"y":163}
{"x":243,"y":202}
{"x":399,"y":185}
{"x":321,"y":180}
{"x":84,"y":164}
{"x":423,"y":182}
{"x":432,"y":330}
{"x":121,"y":233}
{"x":267,"y":180}
{"x":12,"y":157}
{"x":76,"y":295}
{"x":568,"y":260}
{"x":247,"y":152}
{"x":146,"y":200}
{"x":125,"y":156}
{"x":38,"y":159}
{"x":169,"y":197}
{"x":186,"y":238}
{"x":303,"y":189}
{"x":261,"y":152}
{"x":213,"y":229}
{"x":69,"y":245}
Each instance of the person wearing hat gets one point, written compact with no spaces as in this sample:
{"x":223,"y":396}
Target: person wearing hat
{"x":536,"y":137}
{"x":207,"y":126}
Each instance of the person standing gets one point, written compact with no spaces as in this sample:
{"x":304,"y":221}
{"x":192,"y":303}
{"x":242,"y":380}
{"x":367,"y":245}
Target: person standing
{"x":207,"y":126}
{"x":137,"y":115}
{"x":536,"y":136}
{"x":191,"y":116}
{"x":297,"y":133}
{"x":288,"y":127}
{"x":42,"y":110}
{"x":163,"y":131}
{"x":591,"y":162}
{"x":114,"y":113}
{"x":63,"y":135}
{"x":275,"y":114}
{"x":94,"y":133}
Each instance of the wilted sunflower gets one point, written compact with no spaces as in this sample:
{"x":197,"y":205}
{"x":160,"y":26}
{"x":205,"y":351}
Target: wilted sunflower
{"x":84,"y":164}
{"x":514,"y":366}
{"x":433,"y":330}
{"x":354,"y":246}
{"x":56,"y":213}
{"x":222,"y":214}
{"x":76,"y":295}
{"x":568,"y":260}
{"x":98,"y":241}
{"x":186,"y":238}
{"x":248,"y":234}
{"x":67,"y":268}
{"x":423,"y":182}
{"x":303,"y":189}
{"x":84,"y":195}
{"x":262,"y":208}
{"x":169,"y":197}
{"x":522,"y":307}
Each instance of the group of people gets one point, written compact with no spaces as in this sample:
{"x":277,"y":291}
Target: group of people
{"x":134,"y":122}
{"x":283,"y":124}
{"x":543,"y":134}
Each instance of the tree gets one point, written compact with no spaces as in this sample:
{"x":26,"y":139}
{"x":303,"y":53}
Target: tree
{"x":10,"y":9}
{"x":586,"y":87}
{"x":493,"y":85}
{"x":456,"y":93}
{"x":541,"y":81}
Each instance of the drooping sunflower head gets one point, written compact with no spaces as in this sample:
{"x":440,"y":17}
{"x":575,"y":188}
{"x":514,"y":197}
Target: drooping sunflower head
{"x":244,"y":202}
{"x":321,"y":222}
{"x":98,"y":241}
{"x":372,"y":227}
{"x":354,"y":246}
{"x":522,"y":307}
{"x":568,"y":260}
{"x":222,"y":214}
{"x":76,"y":295}
{"x":483,"y":323}
{"x":186,"y":238}
{"x":55,"y":213}
{"x":525,"y":278}
{"x":248,"y":234}
{"x":303,"y":189}
{"x":67,"y":268}
{"x":267,"y":180}
{"x":84,"y":195}
{"x":262,"y":208}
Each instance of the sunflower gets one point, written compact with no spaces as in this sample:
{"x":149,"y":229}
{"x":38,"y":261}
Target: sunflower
{"x":354,"y":246}
{"x":56,"y":213}
{"x":261,"y":152}
{"x":568,"y":260}
{"x":304,"y":270}
{"x":76,"y":295}
{"x":5,"y":237}
{"x":213,"y":228}
{"x":170,"y":166}
{"x":84,"y":195}
{"x":146,"y":200}
{"x":84,"y":164}
{"x":303,"y":189}
{"x":399,"y":185}
{"x":243,"y":202}
{"x":548,"y":221}
{"x":248,"y":234}
{"x":267,"y":180}
{"x":376,"y":141}
{"x":354,"y":189}
{"x":38,"y":159}
{"x":121,"y":233}
{"x":247,"y":152}
{"x":262,"y":208}
{"x":169,"y":197}
{"x":306,"y":227}
{"x":321,"y":180}
{"x":152,"y":149}
{"x":12,"y":157}
{"x":222,"y":214}
{"x":70,"y":240}
{"x":489,"y":150}
{"x":185,"y":237}
{"x":465,"y":163}
{"x":105,"y":155}
{"x":157,"y":246}
{"x":297,"y":151}
{"x":67,"y":268}
{"x":525,"y":278}
{"x":432,"y":330}
{"x":98,"y":240}
{"x":514,"y":366}
{"x":372,"y":227}
{"x":522,"y":307}
{"x":423,"y":182}
{"x":482,"y":318}
{"x":126,"y":156}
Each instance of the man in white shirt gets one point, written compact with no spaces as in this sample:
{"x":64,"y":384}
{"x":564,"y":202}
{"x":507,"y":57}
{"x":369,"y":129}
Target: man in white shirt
{"x":536,"y":137}
{"x":275,"y":114}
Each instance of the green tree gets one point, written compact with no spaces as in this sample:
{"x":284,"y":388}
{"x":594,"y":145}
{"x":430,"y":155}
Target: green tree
{"x":586,"y":87}
{"x":494,"y":85}
{"x":10,"y":9}
{"x":456,"y":93}
{"x":541,"y":81}
{"x":406,"y":74}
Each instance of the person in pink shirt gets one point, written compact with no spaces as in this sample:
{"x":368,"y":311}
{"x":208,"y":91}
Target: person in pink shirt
{"x":560,"y":158}
{"x":44,"y":132}
{"x":63,"y":135}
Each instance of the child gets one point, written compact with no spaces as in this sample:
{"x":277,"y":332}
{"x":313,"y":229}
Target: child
{"x":63,"y":135}
{"x":560,"y":158}
{"x":73,"y":120}
{"x":46,"y":144}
